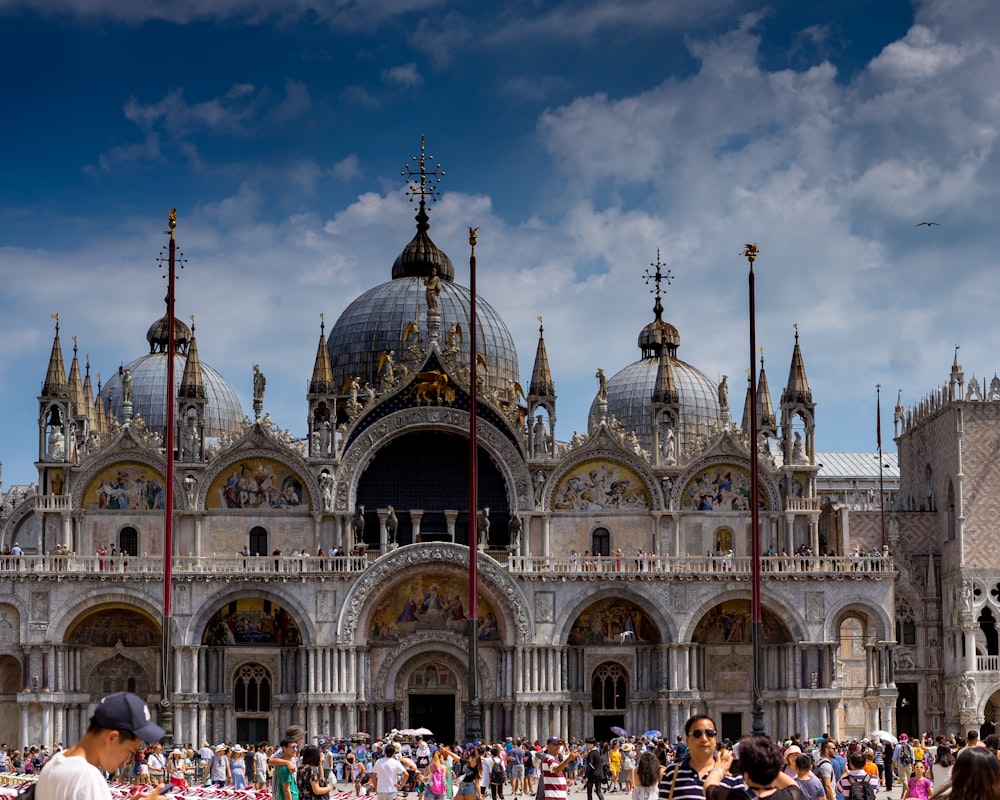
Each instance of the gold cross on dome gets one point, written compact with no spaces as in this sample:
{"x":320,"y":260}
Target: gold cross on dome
{"x":422,"y":182}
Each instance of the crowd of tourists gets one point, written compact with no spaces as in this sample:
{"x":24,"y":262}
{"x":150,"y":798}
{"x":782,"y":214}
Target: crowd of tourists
{"x":698,"y":765}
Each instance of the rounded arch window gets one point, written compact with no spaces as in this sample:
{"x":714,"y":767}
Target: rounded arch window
{"x":600,"y":541}
{"x":258,"y":541}
{"x":609,"y":687}
{"x":128,"y":541}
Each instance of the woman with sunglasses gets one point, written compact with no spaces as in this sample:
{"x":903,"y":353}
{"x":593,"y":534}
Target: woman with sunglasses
{"x":472,"y":774}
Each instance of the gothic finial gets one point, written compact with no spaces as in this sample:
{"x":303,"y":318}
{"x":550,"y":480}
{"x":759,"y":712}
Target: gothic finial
{"x":172,"y":221}
{"x":796,"y":326}
{"x":473,"y":236}
{"x":422,"y":182}
{"x":322,"y":324}
{"x":56,"y":318}
{"x":658,"y":278}
{"x":540,"y":327}
{"x":192,"y":324}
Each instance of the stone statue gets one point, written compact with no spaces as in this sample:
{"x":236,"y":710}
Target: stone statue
{"x":189,"y":490}
{"x":724,"y":392}
{"x":325,"y":437}
{"x":539,"y":486}
{"x":967,"y":693}
{"x":125,"y":377}
{"x":602,"y":386}
{"x":259,"y":384}
{"x":973,"y":392}
{"x":314,"y":447}
{"x":483,"y":527}
{"x":326,"y":482}
{"x":432,"y":289}
{"x":354,"y":389}
{"x":358,"y":524}
{"x":56,"y":444}
{"x":391,"y":524}
{"x":798,"y":450}
{"x":514,"y":531}
{"x":540,"y":438}
{"x":669,"y":445}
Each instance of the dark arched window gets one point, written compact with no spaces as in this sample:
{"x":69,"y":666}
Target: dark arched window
{"x":609,"y":688}
{"x":128,"y":541}
{"x":600,"y":541}
{"x":252,"y":689}
{"x":258,"y":541}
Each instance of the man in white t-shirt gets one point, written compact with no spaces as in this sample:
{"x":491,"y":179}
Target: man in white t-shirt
{"x":390,"y":774}
{"x":157,"y":763}
{"x":120,"y":723}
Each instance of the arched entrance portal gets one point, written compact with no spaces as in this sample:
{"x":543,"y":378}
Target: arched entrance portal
{"x":432,"y":692}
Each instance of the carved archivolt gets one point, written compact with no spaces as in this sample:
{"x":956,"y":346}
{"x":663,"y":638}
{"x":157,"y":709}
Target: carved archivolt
{"x":495,"y":583}
{"x":364,"y":448}
{"x":620,"y":456}
{"x":417,"y":648}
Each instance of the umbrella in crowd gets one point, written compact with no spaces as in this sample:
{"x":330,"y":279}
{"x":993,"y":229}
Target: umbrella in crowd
{"x":653,"y":734}
{"x":885,"y":736}
{"x":618,"y":731}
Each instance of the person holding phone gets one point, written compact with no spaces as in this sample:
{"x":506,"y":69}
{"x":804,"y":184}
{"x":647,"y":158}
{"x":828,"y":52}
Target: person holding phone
{"x":120,"y":723}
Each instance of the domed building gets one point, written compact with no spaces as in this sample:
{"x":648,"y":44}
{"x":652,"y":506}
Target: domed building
{"x":148,"y":374}
{"x":660,"y":375}
{"x":323,"y":579}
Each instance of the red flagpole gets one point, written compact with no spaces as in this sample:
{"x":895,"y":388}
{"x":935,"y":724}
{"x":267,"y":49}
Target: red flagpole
{"x":473,"y":728}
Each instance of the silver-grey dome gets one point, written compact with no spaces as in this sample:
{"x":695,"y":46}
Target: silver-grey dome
{"x":630,"y":394}
{"x":376,"y":321}
{"x":149,"y":398}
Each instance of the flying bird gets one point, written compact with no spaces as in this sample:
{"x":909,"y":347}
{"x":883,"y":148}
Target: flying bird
{"x":928,"y":224}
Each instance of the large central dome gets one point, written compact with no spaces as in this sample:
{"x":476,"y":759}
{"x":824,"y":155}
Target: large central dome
{"x":376,"y":321}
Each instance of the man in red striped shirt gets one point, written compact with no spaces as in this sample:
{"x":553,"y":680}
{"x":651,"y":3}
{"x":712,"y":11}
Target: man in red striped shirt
{"x":554,"y":761}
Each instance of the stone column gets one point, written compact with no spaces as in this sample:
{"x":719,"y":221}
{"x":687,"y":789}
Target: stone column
{"x":383,"y":533}
{"x":545,"y":536}
{"x":417,"y":514}
{"x":450,"y":517}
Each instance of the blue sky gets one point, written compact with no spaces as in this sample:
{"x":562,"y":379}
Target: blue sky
{"x":579,"y":136}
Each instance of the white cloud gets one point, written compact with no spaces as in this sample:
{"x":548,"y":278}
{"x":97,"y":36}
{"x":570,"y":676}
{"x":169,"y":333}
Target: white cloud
{"x":405,"y":76}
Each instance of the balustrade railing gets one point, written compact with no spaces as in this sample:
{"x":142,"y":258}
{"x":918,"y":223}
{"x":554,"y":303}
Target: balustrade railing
{"x":714,"y":567}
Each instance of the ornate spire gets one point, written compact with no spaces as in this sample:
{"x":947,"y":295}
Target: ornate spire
{"x":541,"y":377}
{"x":322,"y":376}
{"x":658,"y":335}
{"x":658,"y":278}
{"x":421,"y":254}
{"x":797,"y":390}
{"x":88,"y":396}
{"x":55,"y":377}
{"x":665,"y":389}
{"x":764,"y":404}
{"x":747,"y":405}
{"x":78,"y":402}
{"x":100,"y":423}
{"x":192,"y":383}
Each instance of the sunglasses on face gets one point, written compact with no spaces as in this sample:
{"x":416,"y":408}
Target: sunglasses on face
{"x":698,"y":732}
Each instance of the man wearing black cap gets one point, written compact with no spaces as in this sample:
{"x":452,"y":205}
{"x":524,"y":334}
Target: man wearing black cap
{"x":120,"y":723}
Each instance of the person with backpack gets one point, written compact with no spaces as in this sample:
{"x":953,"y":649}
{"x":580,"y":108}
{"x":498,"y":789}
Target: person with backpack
{"x":857,"y":784}
{"x":498,"y":773}
{"x":902,"y":759}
